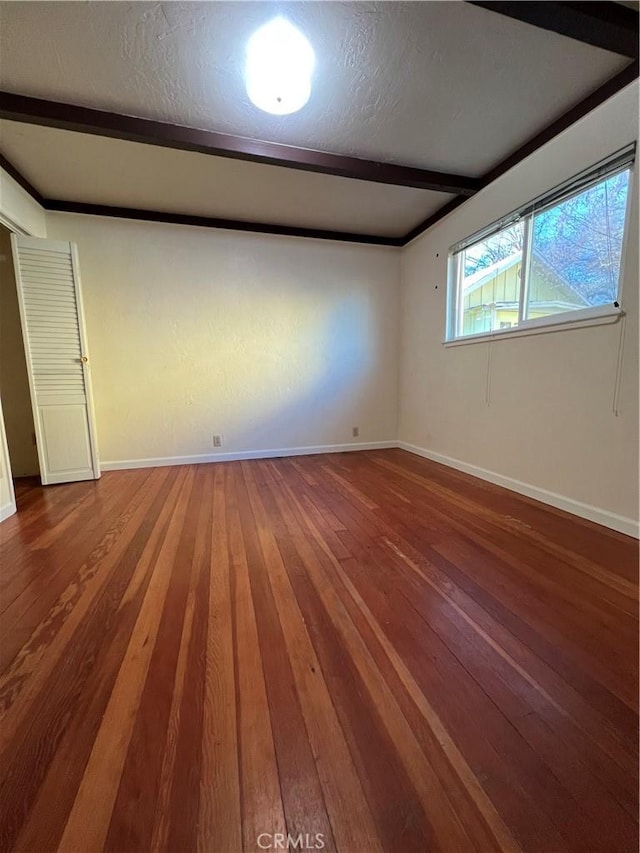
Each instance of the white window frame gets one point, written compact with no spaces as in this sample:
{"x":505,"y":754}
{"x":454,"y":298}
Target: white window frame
{"x":579,"y":318}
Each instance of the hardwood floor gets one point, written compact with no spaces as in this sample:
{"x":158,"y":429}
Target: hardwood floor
{"x":367,"y":649}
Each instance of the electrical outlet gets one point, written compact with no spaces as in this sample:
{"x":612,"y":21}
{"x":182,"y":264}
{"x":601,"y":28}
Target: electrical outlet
{"x":355,"y":432}
{"x":217,"y":441}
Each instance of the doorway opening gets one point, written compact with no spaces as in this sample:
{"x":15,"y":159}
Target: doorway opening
{"x":14,"y":381}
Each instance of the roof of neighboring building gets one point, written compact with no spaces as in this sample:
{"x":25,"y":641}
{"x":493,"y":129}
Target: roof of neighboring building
{"x":482,"y":276}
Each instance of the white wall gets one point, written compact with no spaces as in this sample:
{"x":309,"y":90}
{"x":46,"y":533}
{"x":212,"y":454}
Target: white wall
{"x":273,"y":342}
{"x":18,"y":209}
{"x":539,"y":410}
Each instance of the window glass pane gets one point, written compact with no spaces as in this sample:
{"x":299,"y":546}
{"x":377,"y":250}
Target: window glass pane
{"x":490,"y":283}
{"x":576,"y":247}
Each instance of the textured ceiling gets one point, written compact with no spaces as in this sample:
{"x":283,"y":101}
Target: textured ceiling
{"x":444,"y":85}
{"x":92,"y":169}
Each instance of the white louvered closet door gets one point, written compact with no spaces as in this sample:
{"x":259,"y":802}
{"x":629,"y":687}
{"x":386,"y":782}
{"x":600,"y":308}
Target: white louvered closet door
{"x":48,"y":284}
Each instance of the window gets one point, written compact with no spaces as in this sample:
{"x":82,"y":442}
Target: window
{"x":557,"y":259}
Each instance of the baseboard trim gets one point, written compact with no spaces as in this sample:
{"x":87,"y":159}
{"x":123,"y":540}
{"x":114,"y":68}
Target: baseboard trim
{"x":204,"y":458}
{"x":7,"y":510}
{"x":591,"y":513}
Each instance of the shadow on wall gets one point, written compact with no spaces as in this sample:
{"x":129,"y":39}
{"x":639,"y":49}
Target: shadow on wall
{"x":323,"y":394}
{"x":291,"y":374}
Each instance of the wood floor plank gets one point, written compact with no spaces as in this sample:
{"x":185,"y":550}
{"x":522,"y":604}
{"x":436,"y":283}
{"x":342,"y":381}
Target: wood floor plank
{"x":423,"y":816}
{"x":502,"y":643}
{"x":38,"y":736}
{"x":351,"y":819}
{"x":260,"y":793}
{"x":523,"y":605}
{"x":368,"y":650}
{"x":180,"y":811}
{"x":56,"y":565}
{"x":489,"y":760}
{"x":134,"y":812}
{"x":220,"y":817}
{"x":22,"y":682}
{"x":88,"y":822}
{"x":50,"y":815}
{"x":303,"y":803}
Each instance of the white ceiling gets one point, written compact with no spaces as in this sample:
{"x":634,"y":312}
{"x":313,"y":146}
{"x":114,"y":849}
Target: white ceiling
{"x":441,"y":85}
{"x":79,"y":167}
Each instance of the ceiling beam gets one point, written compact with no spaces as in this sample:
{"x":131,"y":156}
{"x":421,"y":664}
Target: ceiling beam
{"x":20,"y":179}
{"x":607,"y":90}
{"x":609,"y":26}
{"x":115,"y":126}
{"x":216,"y":222}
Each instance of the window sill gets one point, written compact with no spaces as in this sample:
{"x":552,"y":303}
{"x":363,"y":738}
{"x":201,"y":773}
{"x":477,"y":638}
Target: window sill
{"x":589,"y":317}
